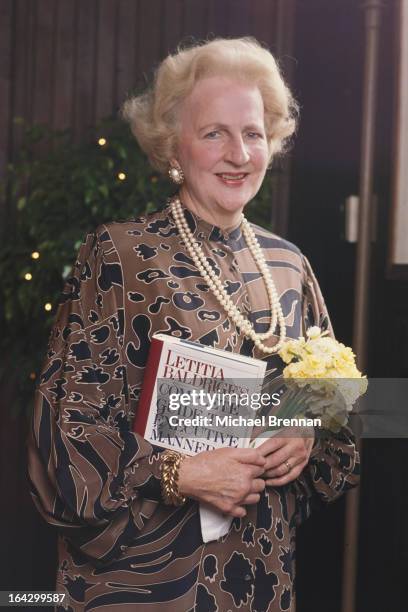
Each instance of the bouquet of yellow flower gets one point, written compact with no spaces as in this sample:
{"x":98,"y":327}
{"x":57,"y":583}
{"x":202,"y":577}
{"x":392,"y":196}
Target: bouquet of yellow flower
{"x":321,"y":379}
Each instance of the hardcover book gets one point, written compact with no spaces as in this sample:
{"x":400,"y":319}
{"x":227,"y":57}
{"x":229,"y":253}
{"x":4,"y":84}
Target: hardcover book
{"x":196,"y":398}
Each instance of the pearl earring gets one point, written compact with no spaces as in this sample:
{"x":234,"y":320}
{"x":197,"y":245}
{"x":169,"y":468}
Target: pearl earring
{"x":176,"y":174}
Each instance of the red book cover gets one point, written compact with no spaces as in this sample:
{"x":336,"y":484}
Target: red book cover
{"x":149,"y":381}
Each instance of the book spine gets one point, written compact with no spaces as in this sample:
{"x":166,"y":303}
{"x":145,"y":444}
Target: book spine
{"x":149,"y":382}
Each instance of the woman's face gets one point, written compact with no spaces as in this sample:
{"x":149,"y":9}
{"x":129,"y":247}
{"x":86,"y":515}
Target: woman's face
{"x":222,"y":148}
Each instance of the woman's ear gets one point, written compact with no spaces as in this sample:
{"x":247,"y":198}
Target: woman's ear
{"x":174,"y":163}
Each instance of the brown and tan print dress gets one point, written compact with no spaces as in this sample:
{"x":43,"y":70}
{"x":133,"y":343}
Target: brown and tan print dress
{"x":120,"y":547}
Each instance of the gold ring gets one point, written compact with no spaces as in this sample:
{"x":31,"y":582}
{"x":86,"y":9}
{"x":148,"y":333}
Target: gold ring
{"x":288,"y":466}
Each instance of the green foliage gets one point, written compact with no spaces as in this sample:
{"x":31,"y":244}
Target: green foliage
{"x":57,"y":191}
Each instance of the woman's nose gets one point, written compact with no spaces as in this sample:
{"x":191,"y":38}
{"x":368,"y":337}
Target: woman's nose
{"x":237,"y":151}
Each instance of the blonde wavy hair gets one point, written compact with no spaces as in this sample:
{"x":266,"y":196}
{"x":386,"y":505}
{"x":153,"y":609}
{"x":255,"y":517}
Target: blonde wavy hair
{"x":153,"y":115}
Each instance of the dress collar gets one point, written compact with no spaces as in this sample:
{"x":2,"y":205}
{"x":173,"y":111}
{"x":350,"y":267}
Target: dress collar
{"x":207,"y":231}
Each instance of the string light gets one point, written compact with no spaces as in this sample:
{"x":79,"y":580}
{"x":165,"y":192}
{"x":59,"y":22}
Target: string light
{"x":28,"y":276}
{"x":33,"y":376}
{"x":35,"y":254}
{"x":102,"y":142}
{"x":121,"y":176}
{"x":48,"y":306}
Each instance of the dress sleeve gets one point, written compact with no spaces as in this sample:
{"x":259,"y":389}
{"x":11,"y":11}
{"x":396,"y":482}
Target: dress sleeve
{"x":334,"y":464}
{"x":89,"y":473}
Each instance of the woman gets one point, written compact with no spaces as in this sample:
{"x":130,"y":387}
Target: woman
{"x":214,"y":119}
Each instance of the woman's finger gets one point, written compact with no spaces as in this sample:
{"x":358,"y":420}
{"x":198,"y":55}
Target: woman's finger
{"x":252,"y":498}
{"x":294,"y":451}
{"x":283,"y":480}
{"x":238,"y":511}
{"x":283,"y":469}
{"x":249,"y":455}
{"x":258,"y":485}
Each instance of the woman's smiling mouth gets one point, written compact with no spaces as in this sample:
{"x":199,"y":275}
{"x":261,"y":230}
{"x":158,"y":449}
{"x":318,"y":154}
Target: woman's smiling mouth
{"x":232,"y":178}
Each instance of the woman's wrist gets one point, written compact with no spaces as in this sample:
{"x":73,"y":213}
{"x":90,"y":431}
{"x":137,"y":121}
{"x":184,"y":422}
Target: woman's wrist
{"x":183,"y":477}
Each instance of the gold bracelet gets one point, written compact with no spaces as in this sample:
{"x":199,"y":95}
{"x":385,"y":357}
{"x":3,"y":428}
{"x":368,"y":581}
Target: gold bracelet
{"x":170,"y":464}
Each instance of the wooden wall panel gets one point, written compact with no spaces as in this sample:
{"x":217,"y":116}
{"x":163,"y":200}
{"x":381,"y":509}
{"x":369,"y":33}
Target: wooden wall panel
{"x":218,"y":17}
{"x":85,"y":59}
{"x":264,"y":20}
{"x":195,"y":19}
{"x":106,"y":54}
{"x":6,"y":50}
{"x":22,"y":68}
{"x":173,"y":31}
{"x":239,"y":17}
{"x":44,"y":67}
{"x":282,"y":43}
{"x":64,"y":62}
{"x":127,"y":45}
{"x":151,"y":28}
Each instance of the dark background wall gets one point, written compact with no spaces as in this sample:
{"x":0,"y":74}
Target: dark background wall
{"x":329,"y":51}
{"x":69,"y":63}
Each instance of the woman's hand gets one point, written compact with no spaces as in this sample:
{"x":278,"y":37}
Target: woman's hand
{"x":226,"y":478}
{"x":286,"y":457}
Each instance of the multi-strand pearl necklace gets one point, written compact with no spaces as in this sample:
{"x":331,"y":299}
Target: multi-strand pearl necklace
{"x":200,"y":261}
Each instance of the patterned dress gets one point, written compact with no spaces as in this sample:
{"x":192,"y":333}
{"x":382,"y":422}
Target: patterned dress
{"x":120,"y":547}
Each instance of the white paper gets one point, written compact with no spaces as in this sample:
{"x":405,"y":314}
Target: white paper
{"x":214,"y":524}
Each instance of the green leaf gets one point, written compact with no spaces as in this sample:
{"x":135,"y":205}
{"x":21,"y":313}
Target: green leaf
{"x":103,"y":189}
{"x":21,"y":202}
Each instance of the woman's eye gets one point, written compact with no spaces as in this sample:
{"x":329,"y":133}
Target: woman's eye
{"x":212,"y":134}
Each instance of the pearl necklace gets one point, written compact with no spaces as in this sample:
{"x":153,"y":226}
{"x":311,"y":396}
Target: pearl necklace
{"x":200,"y":261}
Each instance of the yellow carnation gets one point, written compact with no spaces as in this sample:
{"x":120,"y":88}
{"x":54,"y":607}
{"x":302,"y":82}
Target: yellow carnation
{"x":321,"y":357}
